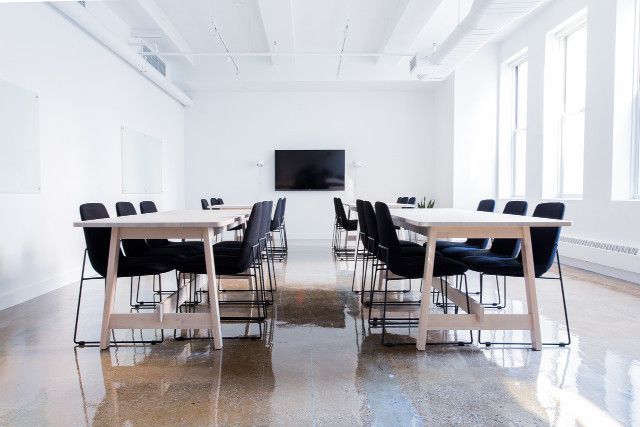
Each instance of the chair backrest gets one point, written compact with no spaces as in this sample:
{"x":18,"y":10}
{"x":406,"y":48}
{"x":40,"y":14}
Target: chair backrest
{"x":412,"y":200}
{"x":544,"y":240}
{"x":204,"y":204}
{"x":219,"y":201}
{"x":372,"y":223}
{"x":509,"y":247}
{"x":362,"y":223}
{"x":96,"y":239}
{"x":277,"y":220}
{"x":132,"y":247}
{"x":265,"y":221}
{"x":487,"y":205}
{"x":387,"y":233}
{"x":214,"y":201}
{"x":147,"y":206}
{"x":342,"y":215}
{"x":284,"y":207}
{"x":251,"y":237}
{"x":404,"y":200}
{"x":399,"y":200}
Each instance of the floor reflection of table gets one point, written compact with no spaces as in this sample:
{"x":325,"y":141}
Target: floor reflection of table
{"x":454,"y":223}
{"x":184,"y":224}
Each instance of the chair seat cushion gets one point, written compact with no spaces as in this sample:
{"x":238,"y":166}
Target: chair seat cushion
{"x":183,"y":252}
{"x":145,"y":266}
{"x":445,"y":244}
{"x":234,"y":244}
{"x":412,"y":267}
{"x":407,"y":243}
{"x":460,"y":252}
{"x":499,"y":266}
{"x":224,"y":264}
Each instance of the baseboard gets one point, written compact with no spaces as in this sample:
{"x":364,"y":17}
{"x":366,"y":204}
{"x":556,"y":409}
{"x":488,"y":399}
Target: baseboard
{"x":26,"y":293}
{"x":616,"y":273}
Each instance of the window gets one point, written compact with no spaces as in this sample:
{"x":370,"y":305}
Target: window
{"x":635,"y":133}
{"x":513,"y":126}
{"x":519,"y":128}
{"x":565,"y":108}
{"x":574,"y":56}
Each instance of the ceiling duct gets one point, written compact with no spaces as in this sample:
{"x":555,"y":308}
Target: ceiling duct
{"x":78,"y":14}
{"x":485,"y":20}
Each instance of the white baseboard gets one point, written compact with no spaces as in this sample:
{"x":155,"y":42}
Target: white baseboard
{"x":25,"y":293}
{"x":616,"y":273}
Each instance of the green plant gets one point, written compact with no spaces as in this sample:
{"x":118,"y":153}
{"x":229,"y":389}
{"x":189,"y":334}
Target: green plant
{"x":424,"y":204}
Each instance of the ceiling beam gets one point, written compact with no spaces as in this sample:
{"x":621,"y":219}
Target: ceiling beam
{"x":410,"y":22}
{"x":277,"y":20}
{"x":160,"y":18}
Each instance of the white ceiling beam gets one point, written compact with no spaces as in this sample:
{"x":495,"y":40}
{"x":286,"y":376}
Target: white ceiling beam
{"x":277,"y":20}
{"x":411,"y":20}
{"x":160,"y":18}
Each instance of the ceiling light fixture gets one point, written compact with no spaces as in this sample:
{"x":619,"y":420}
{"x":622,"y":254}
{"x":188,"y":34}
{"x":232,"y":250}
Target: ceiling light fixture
{"x":226,"y":48}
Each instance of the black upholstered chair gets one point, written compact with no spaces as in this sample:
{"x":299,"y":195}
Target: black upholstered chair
{"x":219,"y":201}
{"x":404,"y":200}
{"x":214,"y":201}
{"x":364,"y":253}
{"x":407,"y":263}
{"x":204,"y":204}
{"x":147,"y":207}
{"x":242,"y":262}
{"x":277,"y":226}
{"x":544,"y":242}
{"x":343,"y":225}
{"x":97,"y":250}
{"x":487,"y":205}
{"x":412,"y":200}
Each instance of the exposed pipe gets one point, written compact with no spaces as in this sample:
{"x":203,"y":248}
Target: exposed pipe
{"x":92,"y":26}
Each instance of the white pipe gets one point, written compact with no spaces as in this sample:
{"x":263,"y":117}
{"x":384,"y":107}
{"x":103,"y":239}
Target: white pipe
{"x":87,"y":22}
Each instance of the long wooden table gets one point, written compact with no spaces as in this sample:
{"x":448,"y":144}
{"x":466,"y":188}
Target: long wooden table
{"x":453,"y":223}
{"x":185,"y":224}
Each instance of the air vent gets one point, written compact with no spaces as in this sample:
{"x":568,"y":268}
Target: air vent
{"x":155,"y":61}
{"x":611,"y":247}
{"x":82,"y":3}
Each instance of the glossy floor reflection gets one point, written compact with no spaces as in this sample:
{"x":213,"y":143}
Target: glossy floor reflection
{"x":319,"y":364}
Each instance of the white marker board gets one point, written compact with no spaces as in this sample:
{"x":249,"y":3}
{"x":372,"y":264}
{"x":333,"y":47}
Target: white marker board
{"x":141,"y":163}
{"x":19,"y":140}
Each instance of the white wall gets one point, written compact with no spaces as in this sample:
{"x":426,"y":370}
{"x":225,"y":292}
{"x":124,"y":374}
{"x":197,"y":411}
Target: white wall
{"x":596,"y":216}
{"x":227,"y":132}
{"x":86,"y":94}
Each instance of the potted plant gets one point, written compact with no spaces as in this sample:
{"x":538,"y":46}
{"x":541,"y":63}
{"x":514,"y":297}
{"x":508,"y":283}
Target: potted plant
{"x":424,"y":204}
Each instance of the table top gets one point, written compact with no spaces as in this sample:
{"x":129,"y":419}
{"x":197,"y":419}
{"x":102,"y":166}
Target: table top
{"x":179,"y":218}
{"x":239,"y":206}
{"x":352,"y":205}
{"x":449,"y":217}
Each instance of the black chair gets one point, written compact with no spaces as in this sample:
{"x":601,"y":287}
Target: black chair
{"x":404,"y":200}
{"x":412,"y":200}
{"x":544,"y":242}
{"x":213,"y":201}
{"x":97,"y":249}
{"x":500,"y":248}
{"x":487,"y":205}
{"x":219,"y":201}
{"x":147,"y":207}
{"x":342,"y":225}
{"x":364,"y":253}
{"x":408,"y":264}
{"x":278,"y":252}
{"x":204,"y":204}
{"x":229,"y":261}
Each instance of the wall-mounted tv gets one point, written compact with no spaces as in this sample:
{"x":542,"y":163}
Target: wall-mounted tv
{"x":310,"y":170}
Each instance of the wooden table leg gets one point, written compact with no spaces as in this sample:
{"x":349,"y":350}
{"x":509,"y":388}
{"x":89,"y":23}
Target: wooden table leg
{"x":421,"y":341}
{"x":530,"y":286}
{"x":212,"y":287}
{"x":110,"y":289}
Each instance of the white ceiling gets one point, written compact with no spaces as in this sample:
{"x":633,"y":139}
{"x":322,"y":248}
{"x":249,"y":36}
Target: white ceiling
{"x":306,"y":37}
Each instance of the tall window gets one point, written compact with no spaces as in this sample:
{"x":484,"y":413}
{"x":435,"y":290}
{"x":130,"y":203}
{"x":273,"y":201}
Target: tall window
{"x":573,"y":61}
{"x":519,"y":73}
{"x":635,"y":133}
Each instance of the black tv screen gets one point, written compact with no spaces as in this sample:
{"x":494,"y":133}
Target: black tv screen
{"x":310,"y":170}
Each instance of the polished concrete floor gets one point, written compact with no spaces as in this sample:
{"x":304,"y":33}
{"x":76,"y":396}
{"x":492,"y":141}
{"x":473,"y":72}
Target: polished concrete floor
{"x":319,"y":364}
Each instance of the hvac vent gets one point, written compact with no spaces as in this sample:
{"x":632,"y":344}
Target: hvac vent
{"x":155,"y":61}
{"x":611,"y":247}
{"x":82,"y":3}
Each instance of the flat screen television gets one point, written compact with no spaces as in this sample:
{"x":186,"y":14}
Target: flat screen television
{"x":309,"y":170}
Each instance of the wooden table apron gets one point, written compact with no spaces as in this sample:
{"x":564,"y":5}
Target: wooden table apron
{"x":159,"y":319}
{"x":477,"y":319}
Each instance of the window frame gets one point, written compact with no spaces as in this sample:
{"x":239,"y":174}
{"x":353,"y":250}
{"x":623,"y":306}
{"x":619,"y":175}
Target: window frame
{"x":577,"y":23}
{"x":635,"y":122}
{"x":514,"y":129}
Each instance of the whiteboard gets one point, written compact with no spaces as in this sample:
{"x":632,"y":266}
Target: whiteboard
{"x":141,"y":163}
{"x":19,"y":140}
